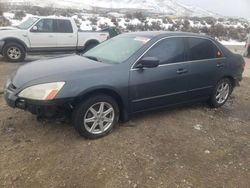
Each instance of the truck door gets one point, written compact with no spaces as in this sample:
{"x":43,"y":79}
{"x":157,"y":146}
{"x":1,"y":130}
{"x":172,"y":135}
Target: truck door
{"x":66,"y":36}
{"x":42,"y":35}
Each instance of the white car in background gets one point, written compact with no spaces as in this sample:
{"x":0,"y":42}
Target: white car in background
{"x":247,"y":47}
{"x":46,"y":34}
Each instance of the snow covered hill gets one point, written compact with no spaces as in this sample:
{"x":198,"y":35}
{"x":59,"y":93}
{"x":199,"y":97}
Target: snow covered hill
{"x":169,"y":7}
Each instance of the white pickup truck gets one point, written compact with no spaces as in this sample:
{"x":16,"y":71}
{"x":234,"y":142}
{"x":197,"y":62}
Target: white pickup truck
{"x":46,"y":34}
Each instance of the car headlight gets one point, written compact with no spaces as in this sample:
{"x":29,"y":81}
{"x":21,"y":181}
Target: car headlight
{"x":46,"y":91}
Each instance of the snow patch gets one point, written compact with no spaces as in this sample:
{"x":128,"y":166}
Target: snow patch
{"x":232,"y":43}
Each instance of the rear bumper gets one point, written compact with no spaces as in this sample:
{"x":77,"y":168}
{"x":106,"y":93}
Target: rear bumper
{"x":49,"y":109}
{"x":1,"y":46}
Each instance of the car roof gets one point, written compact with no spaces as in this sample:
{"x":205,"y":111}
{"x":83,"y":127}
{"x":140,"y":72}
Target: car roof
{"x":152,"y":34}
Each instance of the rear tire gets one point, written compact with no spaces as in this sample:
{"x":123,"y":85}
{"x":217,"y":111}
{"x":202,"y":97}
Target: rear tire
{"x":221,"y":93}
{"x":14,"y":52}
{"x":96,"y":116}
{"x":89,"y":46}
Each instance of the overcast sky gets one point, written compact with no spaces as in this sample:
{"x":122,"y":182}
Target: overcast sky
{"x":239,"y":8}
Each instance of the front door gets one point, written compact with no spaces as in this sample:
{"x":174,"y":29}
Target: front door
{"x":164,"y":85}
{"x":43,"y":36}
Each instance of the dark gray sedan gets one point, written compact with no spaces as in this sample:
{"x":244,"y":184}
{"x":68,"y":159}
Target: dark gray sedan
{"x":125,"y":75}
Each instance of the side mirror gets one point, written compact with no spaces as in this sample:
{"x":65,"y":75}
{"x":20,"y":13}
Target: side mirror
{"x":34,"y":29}
{"x":148,"y":62}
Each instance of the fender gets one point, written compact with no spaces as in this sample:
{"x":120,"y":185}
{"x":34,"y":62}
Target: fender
{"x":123,"y":106}
{"x":13,"y":39}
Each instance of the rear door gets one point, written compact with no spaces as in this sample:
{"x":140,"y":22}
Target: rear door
{"x":165,"y":84}
{"x":206,"y":66}
{"x":44,"y":36}
{"x":66,"y":36}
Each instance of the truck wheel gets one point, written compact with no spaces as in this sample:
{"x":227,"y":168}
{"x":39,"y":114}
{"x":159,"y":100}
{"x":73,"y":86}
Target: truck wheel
{"x":90,"y":45}
{"x":96,"y":116}
{"x":14,"y":52}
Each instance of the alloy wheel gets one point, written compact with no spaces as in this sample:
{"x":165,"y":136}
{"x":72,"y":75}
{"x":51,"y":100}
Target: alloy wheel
{"x":222,"y":92}
{"x":99,"y":117}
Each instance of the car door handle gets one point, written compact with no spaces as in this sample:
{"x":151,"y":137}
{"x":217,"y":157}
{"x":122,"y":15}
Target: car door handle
{"x":219,"y":65}
{"x":70,"y":36}
{"x":51,"y":36}
{"x":181,"y":71}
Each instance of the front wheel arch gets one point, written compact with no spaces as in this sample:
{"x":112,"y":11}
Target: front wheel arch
{"x":121,"y":104}
{"x":15,"y":40}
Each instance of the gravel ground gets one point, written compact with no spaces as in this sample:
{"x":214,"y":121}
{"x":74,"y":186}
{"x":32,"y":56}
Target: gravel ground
{"x":192,"y":146}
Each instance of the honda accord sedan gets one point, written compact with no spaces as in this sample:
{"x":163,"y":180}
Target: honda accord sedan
{"x":125,"y":75}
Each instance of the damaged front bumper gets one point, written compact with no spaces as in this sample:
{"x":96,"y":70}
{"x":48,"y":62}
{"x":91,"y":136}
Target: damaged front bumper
{"x":49,"y":109}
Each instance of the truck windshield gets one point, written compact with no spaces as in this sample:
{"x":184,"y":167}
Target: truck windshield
{"x":116,"y":50}
{"x":27,"y":23}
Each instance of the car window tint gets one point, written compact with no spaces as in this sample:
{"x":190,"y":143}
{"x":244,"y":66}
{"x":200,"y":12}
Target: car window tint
{"x":64,"y":26}
{"x":169,"y":50}
{"x":202,"y":49}
{"x":45,"y":25}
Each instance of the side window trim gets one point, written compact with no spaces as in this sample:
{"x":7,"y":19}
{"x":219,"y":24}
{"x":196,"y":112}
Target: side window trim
{"x":185,"y":38}
{"x":42,"y":19}
{"x":207,"y":39}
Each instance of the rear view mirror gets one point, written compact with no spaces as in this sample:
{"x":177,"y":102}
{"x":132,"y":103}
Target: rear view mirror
{"x":148,"y":62}
{"x":34,"y":28}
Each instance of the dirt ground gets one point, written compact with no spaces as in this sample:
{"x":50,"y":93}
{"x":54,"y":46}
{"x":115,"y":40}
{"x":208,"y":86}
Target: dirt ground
{"x":192,"y":146}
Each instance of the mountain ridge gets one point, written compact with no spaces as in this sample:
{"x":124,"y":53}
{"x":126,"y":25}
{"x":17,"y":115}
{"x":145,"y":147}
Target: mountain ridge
{"x":167,"y":7}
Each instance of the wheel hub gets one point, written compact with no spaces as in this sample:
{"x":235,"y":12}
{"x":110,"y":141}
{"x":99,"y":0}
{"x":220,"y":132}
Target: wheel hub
{"x":222,"y":92}
{"x":99,"y":117}
{"x":14,"y":53}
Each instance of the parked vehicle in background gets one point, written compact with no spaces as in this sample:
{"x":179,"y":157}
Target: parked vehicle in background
{"x":46,"y":34}
{"x":125,"y":75}
{"x":247,"y":47}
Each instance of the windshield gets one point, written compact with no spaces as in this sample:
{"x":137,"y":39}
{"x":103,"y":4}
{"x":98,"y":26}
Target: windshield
{"x":27,"y":23}
{"x":116,"y":50}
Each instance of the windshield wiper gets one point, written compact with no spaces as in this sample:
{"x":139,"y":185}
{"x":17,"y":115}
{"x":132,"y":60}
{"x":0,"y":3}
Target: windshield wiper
{"x":92,"y":58}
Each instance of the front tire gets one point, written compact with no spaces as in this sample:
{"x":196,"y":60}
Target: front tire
{"x":14,"y":52}
{"x":96,"y":116}
{"x":221,"y":93}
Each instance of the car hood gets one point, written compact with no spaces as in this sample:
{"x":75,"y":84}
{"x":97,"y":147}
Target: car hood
{"x":57,"y":69}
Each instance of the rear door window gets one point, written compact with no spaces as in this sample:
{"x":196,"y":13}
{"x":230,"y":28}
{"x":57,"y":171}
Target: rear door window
{"x":200,"y":49}
{"x":170,"y":50}
{"x":63,"y":26}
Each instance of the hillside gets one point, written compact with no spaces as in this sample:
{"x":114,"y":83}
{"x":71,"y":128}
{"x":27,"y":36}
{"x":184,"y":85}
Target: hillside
{"x":168,"y":7}
{"x":222,"y":28}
